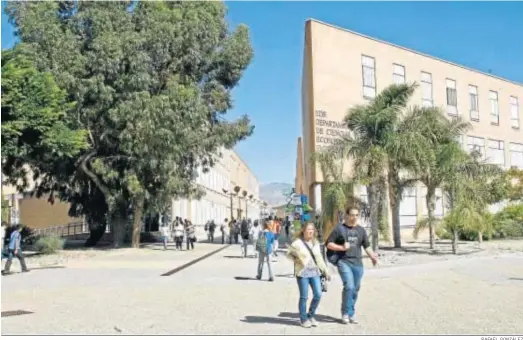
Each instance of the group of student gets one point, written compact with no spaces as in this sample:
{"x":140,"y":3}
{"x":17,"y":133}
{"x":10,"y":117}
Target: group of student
{"x":178,"y":230}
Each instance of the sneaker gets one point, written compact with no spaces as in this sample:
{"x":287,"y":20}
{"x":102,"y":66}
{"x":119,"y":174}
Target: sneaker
{"x":306,"y":324}
{"x":258,"y":277}
{"x":313,"y":322}
{"x":353,"y":321}
{"x":345,"y":319}
{"x":271,"y":279}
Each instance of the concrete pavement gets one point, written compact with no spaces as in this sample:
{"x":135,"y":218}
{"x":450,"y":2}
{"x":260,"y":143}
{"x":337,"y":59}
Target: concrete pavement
{"x":123,"y":292}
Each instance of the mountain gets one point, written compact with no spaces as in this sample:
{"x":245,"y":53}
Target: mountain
{"x":274,"y":193}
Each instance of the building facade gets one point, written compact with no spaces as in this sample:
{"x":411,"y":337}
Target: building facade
{"x":220,"y":200}
{"x":230,"y":171}
{"x":343,"y":68}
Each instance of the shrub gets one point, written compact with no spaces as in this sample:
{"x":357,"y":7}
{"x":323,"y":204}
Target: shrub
{"x":508,"y":223}
{"x":49,"y":244}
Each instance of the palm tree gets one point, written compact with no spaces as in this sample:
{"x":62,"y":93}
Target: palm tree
{"x":383,"y":145}
{"x":443,"y":155}
{"x":338,"y":189}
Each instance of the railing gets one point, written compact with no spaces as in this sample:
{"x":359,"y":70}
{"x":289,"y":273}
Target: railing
{"x":70,"y":229}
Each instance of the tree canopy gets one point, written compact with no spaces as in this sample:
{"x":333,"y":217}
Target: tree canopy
{"x":151,"y":83}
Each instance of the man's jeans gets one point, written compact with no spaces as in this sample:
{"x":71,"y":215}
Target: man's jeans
{"x":264,"y":257}
{"x":351,"y":277}
{"x":303,"y":285}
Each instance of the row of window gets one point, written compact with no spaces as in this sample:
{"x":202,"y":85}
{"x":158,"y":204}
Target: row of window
{"x":205,"y":210}
{"x":213,"y":180}
{"x":494,"y":151}
{"x":398,"y":77}
{"x":409,"y":205}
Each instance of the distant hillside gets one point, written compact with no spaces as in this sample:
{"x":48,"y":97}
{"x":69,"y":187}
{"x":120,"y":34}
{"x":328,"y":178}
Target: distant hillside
{"x":273,"y":193}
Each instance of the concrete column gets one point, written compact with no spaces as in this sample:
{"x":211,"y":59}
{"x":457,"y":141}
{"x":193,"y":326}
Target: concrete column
{"x":317,"y":198}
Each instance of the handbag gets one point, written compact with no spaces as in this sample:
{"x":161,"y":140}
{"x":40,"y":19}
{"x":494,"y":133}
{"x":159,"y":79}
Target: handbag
{"x":334,"y":256}
{"x":323,"y":278}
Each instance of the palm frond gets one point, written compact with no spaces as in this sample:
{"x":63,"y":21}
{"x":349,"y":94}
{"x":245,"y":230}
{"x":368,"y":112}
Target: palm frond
{"x":423,"y":224}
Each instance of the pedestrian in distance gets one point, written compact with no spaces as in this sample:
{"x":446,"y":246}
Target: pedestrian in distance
{"x":190,"y":234}
{"x":309,"y":268}
{"x":14,"y":249}
{"x":253,"y":234}
{"x":244,"y":233}
{"x":224,"y":228}
{"x":212,"y":228}
{"x":165,"y":232}
{"x":344,"y":251}
{"x":264,"y":247}
{"x":178,"y":234}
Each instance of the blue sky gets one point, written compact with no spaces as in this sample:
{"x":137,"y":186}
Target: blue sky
{"x":481,"y":35}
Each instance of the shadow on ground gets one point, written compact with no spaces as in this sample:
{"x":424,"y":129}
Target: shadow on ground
{"x":319,"y":317}
{"x":411,"y":249}
{"x":285,"y":318}
{"x":48,"y":267}
{"x":245,"y":278}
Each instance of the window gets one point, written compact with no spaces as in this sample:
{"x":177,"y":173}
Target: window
{"x":496,"y":152}
{"x":369,"y":76}
{"x":439,"y":208}
{"x":514,"y":112}
{"x":398,"y":74}
{"x":476,"y":144}
{"x":426,"y":89}
{"x":473,"y":102}
{"x":516,"y":155}
{"x":408,"y":208}
{"x":452,"y":98}
{"x":494,"y":108}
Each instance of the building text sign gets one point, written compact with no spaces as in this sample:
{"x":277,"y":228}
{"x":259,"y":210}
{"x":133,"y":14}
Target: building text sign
{"x":327,"y":131}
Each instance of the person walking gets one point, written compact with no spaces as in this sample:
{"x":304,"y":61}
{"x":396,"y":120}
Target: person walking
{"x":212,"y":228}
{"x":287,"y":229}
{"x":253,"y":234}
{"x":14,"y":249}
{"x":309,"y":267}
{"x":190,"y":234}
{"x":344,"y":251}
{"x":178,"y":234}
{"x":224,"y":229}
{"x":4,"y":227}
{"x":165,"y":232}
{"x":244,"y":233}
{"x":264,"y":248}
{"x":277,"y":232}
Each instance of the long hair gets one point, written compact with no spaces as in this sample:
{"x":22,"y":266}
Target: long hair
{"x":304,"y":226}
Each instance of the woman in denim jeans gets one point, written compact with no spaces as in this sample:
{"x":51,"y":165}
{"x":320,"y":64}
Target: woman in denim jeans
{"x":309,"y":265}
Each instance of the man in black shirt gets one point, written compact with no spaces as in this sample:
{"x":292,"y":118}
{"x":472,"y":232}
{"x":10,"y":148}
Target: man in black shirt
{"x":344,"y":249}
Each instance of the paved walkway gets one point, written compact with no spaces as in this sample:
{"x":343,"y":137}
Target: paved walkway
{"x":123,"y":292}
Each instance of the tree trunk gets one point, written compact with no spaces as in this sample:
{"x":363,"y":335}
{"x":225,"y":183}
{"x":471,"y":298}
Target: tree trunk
{"x":374,"y":202}
{"x":395,"y":201}
{"x":431,"y":207}
{"x":96,"y":232}
{"x":396,"y":224}
{"x":455,"y":241}
{"x":137,"y":222}
{"x":480,"y":237}
{"x":118,"y":228}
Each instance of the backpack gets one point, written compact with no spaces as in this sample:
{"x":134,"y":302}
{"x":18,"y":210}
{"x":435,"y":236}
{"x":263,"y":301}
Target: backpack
{"x":261,"y":243}
{"x":244,"y":229}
